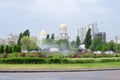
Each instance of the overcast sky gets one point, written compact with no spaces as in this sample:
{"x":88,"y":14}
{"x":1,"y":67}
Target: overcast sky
{"x":36,"y":15}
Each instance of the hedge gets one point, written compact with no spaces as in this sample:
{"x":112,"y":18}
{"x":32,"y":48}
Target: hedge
{"x":56,"y":60}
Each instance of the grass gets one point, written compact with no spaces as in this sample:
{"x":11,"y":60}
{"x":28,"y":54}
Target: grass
{"x":59,"y":66}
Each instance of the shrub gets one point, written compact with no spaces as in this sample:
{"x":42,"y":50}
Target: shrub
{"x":5,"y":55}
{"x":84,"y":61}
{"x":109,"y":60}
{"x":23,"y":60}
{"x":22,"y":54}
{"x":55,"y":60}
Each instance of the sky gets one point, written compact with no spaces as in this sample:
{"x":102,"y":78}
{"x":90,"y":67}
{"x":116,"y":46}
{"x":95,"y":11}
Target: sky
{"x":36,"y":15}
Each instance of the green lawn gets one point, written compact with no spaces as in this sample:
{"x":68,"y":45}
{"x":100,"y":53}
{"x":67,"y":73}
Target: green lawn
{"x":60,"y":66}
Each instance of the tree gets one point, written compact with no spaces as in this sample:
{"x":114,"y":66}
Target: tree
{"x":118,"y":48}
{"x":29,"y":43}
{"x":96,"y":43}
{"x":104,"y":47}
{"x":21,"y":35}
{"x":88,"y":40}
{"x":17,"y":48}
{"x":77,"y":41}
{"x":62,"y":44}
{"x":52,"y":36}
{"x":1,"y":49}
{"x":73,"y":44}
{"x":25,"y":43}
{"x":48,"y":36}
{"x":7,"y":49}
{"x":26,"y":33}
{"x":111,"y":45}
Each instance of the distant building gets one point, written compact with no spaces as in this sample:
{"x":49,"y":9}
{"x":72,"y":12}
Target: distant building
{"x":118,"y":39}
{"x":82,"y":31}
{"x":62,"y":33}
{"x":2,"y":41}
{"x":102,"y":35}
{"x":42,"y":35}
{"x":12,"y":38}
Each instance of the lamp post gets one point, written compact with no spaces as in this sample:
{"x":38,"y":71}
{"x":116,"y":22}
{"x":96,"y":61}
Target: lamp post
{"x":116,"y":44}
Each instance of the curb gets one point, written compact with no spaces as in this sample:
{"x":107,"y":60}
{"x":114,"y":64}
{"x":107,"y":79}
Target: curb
{"x":37,"y":71}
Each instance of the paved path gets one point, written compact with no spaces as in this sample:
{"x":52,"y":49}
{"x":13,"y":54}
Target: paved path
{"x":91,"y":75}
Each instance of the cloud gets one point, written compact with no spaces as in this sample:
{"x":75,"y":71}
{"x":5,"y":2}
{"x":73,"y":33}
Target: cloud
{"x":51,"y":13}
{"x":89,"y":1}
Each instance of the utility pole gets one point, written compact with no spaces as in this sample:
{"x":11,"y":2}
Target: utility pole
{"x":116,"y":43}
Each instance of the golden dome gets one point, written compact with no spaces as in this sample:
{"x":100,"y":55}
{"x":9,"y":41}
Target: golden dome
{"x":42,"y":33}
{"x":63,"y":27}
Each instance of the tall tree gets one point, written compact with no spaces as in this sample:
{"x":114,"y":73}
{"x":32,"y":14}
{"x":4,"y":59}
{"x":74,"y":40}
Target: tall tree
{"x":78,"y":41}
{"x":111,"y":45}
{"x":88,"y":40}
{"x":73,"y":44}
{"x":26,"y":33}
{"x":1,"y":49}
{"x":52,"y":36}
{"x":62,"y":44}
{"x":96,"y":44}
{"x":7,"y":49}
{"x":48,"y":36}
{"x":29,"y":43}
{"x":21,"y":35}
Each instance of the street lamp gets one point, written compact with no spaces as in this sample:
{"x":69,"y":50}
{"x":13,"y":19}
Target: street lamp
{"x":116,"y":44}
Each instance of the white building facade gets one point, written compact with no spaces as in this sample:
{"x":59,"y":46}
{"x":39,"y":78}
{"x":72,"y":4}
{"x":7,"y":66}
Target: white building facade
{"x":62,"y":33}
{"x":82,"y":31}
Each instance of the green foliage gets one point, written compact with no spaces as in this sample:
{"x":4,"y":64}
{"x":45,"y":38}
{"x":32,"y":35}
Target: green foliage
{"x":21,"y":35}
{"x":17,"y":48}
{"x":19,"y":39}
{"x":52,"y":36}
{"x":56,"y":61}
{"x":118,"y":48}
{"x":73,"y":44}
{"x":48,"y":36}
{"x":23,"y":60}
{"x":7,"y":49}
{"x":1,"y":49}
{"x":26,"y":33}
{"x":111,"y":45}
{"x":77,"y":41}
{"x":62,"y":44}
{"x":88,"y":40}
{"x":96,"y":44}
{"x":29,"y":43}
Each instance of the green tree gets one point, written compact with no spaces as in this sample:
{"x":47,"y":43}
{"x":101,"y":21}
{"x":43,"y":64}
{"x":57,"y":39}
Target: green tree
{"x":48,"y":36}
{"x":96,"y":43}
{"x":118,"y":48}
{"x":26,"y":33}
{"x":21,"y":35}
{"x":25,"y":42}
{"x":104,"y":47}
{"x":1,"y":49}
{"x":29,"y":43}
{"x":88,"y":40}
{"x":99,"y":47}
{"x":77,"y":41}
{"x":62,"y":44}
{"x":111,"y":45}
{"x":10,"y":49}
{"x":7,"y":49}
{"x":73,"y":44}
{"x":17,"y":48}
{"x":52,"y":36}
